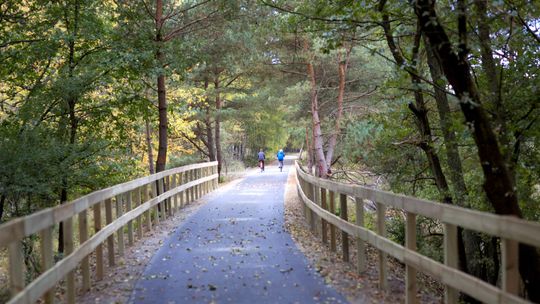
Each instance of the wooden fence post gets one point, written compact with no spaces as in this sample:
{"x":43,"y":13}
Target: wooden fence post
{"x":333,"y":246}
{"x":175,"y":197}
{"x":163,"y":203}
{"x":85,"y":263}
{"x":47,"y":257}
{"x":343,"y":212}
{"x":381,"y":230}
{"x":129,"y":207}
{"x":138,"y":222}
{"x":68,"y":249}
{"x":360,"y":245}
{"x":16,"y":267}
{"x":450,"y":259}
{"x":157,"y":206}
{"x":324,"y":227}
{"x":410,"y":272}
{"x":99,"y":248}
{"x":182,"y":193}
{"x":148,"y":213}
{"x":510,"y":266}
{"x":110,"y":239}
{"x":120,"y":231}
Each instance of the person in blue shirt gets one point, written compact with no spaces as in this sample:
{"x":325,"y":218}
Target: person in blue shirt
{"x":280,"y":156}
{"x":261,"y":159}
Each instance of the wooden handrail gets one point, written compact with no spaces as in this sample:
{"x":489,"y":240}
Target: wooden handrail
{"x":508,"y":228}
{"x":12,"y":233}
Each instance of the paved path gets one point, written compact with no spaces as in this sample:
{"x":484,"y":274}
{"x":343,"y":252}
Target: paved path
{"x":234,"y":249}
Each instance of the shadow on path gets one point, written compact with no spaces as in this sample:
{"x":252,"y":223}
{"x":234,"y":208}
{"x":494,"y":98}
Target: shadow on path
{"x":234,"y":249}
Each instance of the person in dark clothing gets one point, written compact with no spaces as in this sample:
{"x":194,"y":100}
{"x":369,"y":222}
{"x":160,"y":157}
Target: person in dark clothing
{"x":261,"y":159}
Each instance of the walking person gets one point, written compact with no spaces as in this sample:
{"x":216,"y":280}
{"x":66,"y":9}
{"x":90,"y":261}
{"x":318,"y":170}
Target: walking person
{"x":261,"y":159}
{"x":280,"y":156}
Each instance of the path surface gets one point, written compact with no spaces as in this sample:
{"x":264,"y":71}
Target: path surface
{"x":235,"y":250}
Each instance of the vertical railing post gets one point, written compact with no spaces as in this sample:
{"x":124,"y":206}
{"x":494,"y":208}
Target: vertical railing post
{"x":324,"y":226}
{"x":381,"y":230}
{"x":510,"y":266}
{"x":110,"y":239}
{"x":85,"y":263}
{"x":99,"y":248}
{"x":180,"y":183}
{"x":450,"y":259}
{"x":360,"y":245}
{"x":120,"y":231}
{"x":47,"y":258}
{"x":314,"y":218}
{"x":129,"y":207}
{"x":163,"y":203}
{"x":16,"y":267}
{"x":154,"y":187}
{"x":344,"y":214}
{"x":138,"y":222}
{"x":68,"y":249}
{"x":332,"y":207}
{"x":175,"y":197}
{"x":410,"y":272}
{"x":309,"y":195}
{"x":148,"y":213}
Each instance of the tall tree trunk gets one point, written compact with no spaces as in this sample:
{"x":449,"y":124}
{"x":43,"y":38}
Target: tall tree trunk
{"x":490,"y":68}
{"x":419,"y":107}
{"x":217,"y":124}
{"x":473,"y":243}
{"x":342,"y":72}
{"x":150,"y":148}
{"x":498,"y":183}
{"x":208,"y":126}
{"x":162,"y":93}
{"x":309,"y":152}
{"x":2,"y":206}
{"x":72,"y":101}
{"x":321,"y":167}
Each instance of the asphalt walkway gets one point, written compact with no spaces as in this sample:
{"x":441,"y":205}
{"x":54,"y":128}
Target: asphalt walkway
{"x":234,"y":249}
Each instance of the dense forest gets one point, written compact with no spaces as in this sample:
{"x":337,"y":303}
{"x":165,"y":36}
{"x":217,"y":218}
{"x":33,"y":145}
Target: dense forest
{"x":434,"y":99}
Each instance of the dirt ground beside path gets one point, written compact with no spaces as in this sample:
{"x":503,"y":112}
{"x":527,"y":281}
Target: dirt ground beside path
{"x":342,"y":275}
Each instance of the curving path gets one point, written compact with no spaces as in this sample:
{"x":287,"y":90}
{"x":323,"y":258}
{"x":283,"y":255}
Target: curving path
{"x":235,"y":249}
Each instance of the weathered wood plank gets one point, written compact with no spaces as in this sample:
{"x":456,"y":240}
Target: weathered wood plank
{"x":16,"y":267}
{"x":138,"y":222}
{"x":450,"y":259}
{"x":360,"y":245}
{"x":69,"y":247}
{"x":324,"y":229}
{"x":110,"y":239}
{"x":410,"y":271}
{"x":47,"y":258}
{"x":129,"y":206}
{"x":333,"y":246}
{"x":120,"y":233}
{"x":99,"y":248}
{"x":85,"y":263}
{"x":381,"y":230}
{"x":510,"y":266}
{"x":344,"y":235}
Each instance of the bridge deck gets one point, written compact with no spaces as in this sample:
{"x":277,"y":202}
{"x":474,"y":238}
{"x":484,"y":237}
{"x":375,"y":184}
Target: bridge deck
{"x":235,"y":250}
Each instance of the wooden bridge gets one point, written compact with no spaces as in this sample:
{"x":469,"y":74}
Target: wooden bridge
{"x":110,"y":218}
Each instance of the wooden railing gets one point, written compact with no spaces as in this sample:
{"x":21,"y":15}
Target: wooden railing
{"x":318,"y":196}
{"x":138,"y":205}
